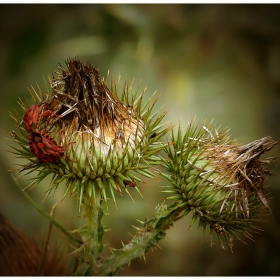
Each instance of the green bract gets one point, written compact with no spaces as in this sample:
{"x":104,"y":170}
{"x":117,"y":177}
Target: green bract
{"x":83,"y":133}
{"x":107,"y":139}
{"x":219,"y":180}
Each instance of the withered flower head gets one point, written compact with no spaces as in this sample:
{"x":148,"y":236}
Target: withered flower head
{"x":220,"y":181}
{"x":85,"y":135}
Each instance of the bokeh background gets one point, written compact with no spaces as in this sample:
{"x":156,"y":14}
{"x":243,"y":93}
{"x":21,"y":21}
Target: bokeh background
{"x":218,"y":62}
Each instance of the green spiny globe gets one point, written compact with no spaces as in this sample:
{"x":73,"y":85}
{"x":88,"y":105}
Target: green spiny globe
{"x":220,"y":181}
{"x":93,"y":139}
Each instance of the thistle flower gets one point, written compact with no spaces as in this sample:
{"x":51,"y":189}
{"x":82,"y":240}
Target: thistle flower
{"x":220,"y":181}
{"x":84,"y":134}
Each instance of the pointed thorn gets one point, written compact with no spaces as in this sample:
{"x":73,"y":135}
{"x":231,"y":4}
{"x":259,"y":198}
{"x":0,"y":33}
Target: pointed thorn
{"x":139,"y":192}
{"x":144,"y":257}
{"x":129,"y":194}
{"x":131,"y":234}
{"x":135,"y":227}
{"x":105,"y":199}
{"x":141,"y":222}
{"x":159,"y":247}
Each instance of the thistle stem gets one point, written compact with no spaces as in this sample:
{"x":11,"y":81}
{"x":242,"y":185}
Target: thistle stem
{"x":47,"y":241}
{"x":46,"y":215}
{"x":92,"y":232}
{"x":146,"y":238}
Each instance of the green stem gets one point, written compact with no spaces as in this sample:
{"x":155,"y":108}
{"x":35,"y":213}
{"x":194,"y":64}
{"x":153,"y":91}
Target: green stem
{"x":46,"y":242}
{"x":146,"y":238}
{"x":92,"y":233}
{"x":46,"y":215}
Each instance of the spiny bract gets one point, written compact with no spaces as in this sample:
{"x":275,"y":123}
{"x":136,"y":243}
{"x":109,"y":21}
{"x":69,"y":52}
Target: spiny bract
{"x":220,"y":181}
{"x":106,"y":139}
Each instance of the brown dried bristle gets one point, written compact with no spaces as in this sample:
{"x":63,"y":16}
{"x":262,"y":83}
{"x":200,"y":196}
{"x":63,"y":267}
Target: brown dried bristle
{"x":90,"y":104}
{"x":21,"y":256}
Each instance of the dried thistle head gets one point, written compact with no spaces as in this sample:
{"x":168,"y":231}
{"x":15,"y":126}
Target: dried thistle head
{"x":220,"y":181}
{"x":20,"y":255}
{"x":82,"y":133}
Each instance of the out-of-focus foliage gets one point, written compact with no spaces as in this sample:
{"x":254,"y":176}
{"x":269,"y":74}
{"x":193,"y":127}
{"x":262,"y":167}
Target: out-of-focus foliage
{"x":212,"y":61}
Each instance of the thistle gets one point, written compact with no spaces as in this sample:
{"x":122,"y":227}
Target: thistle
{"x":100,"y":144}
{"x":83,"y":134}
{"x":106,"y":140}
{"x":220,"y":181}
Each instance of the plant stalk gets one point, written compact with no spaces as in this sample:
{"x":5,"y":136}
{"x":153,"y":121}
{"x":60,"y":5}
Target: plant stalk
{"x":147,"y":237}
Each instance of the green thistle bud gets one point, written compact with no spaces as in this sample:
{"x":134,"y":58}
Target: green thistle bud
{"x":84,"y":134}
{"x":220,"y":181}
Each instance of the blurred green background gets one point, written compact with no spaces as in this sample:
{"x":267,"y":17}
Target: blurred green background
{"x":218,"y":62}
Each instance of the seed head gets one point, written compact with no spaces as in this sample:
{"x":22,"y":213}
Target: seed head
{"x":85,"y":135}
{"x":220,"y":181}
